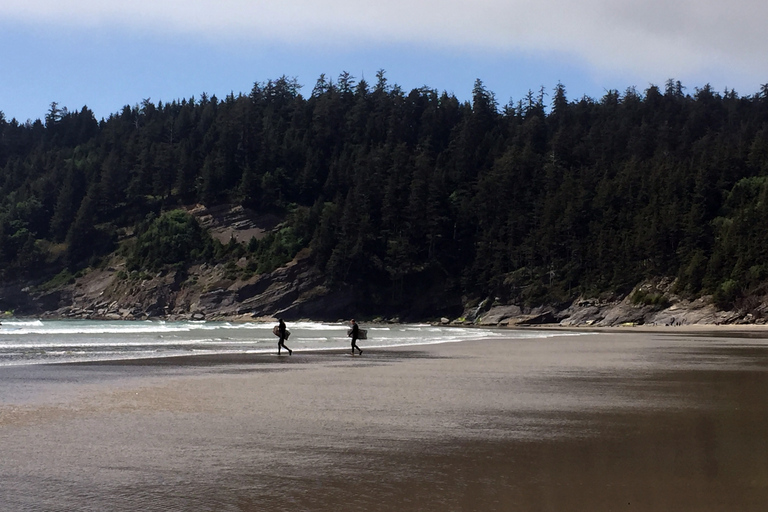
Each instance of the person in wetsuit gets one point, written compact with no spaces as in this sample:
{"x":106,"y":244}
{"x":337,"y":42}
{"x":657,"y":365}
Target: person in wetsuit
{"x":281,"y":341}
{"x":354,"y":333}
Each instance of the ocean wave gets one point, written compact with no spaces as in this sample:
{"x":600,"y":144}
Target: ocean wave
{"x":50,"y":341}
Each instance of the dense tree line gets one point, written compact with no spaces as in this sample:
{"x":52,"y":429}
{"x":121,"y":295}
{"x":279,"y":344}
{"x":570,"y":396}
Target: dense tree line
{"x":414,"y":192}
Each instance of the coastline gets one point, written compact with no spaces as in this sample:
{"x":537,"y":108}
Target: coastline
{"x":652,"y":329}
{"x":616,"y":418}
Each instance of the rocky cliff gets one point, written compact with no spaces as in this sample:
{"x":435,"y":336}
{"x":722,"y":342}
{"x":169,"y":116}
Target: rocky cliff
{"x":202,"y":292}
{"x":297,"y":290}
{"x":208,"y":292}
{"x":665,"y":309}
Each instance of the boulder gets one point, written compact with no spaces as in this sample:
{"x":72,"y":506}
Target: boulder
{"x":497,"y":314}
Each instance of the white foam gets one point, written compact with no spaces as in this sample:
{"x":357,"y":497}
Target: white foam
{"x":46,"y":341}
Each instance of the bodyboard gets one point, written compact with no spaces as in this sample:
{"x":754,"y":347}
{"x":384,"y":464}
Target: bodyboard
{"x":276,"y":332}
{"x":362,"y":334}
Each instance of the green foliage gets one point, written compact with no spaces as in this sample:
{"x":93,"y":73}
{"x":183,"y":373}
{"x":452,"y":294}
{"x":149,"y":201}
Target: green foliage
{"x":726,"y":294}
{"x":647,"y":298}
{"x":393,"y":188}
{"x":274,"y":250}
{"x":173,"y":238}
{"x":62,"y":278}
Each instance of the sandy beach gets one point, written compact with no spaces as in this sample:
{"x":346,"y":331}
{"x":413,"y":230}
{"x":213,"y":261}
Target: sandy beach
{"x":622,"y":419}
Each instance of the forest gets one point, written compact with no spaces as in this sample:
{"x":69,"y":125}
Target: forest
{"x":537,"y":201}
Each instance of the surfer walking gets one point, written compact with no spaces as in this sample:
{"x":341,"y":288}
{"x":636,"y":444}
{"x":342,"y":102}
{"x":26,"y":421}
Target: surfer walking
{"x":354,"y":332}
{"x":282,"y":336}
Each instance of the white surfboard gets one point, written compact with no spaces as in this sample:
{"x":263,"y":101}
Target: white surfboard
{"x":362,"y":334}
{"x":276,"y":332}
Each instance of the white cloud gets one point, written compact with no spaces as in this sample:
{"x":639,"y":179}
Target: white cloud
{"x":656,"y":39}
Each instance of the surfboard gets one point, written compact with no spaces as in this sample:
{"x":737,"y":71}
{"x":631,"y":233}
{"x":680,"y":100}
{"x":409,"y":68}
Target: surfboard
{"x":276,"y":332}
{"x":362,"y":334}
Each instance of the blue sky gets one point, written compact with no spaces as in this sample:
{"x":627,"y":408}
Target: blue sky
{"x":106,"y":54}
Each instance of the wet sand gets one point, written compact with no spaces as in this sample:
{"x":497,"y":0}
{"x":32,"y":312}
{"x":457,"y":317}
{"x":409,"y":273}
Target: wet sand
{"x":616,"y":420}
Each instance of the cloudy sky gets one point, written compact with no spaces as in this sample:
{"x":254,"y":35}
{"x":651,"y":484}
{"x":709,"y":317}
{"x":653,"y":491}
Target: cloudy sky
{"x":108,"y":53}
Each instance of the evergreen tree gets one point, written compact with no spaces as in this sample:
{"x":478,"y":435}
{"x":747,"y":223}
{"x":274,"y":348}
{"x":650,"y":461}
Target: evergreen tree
{"x":526,"y":203}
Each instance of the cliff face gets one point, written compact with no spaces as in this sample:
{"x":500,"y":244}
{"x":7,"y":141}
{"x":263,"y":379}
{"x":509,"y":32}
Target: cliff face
{"x":205,"y":292}
{"x":202,"y":292}
{"x":615,"y":313}
{"x":297,"y":290}
{"x":667,"y":309}
{"x":214,"y":292}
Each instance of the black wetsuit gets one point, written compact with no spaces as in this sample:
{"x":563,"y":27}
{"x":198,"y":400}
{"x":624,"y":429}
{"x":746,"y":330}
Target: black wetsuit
{"x":281,"y":342}
{"x":354,"y":334}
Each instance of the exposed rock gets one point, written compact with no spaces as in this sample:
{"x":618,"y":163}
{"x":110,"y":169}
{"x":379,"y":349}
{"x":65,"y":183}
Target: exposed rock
{"x":203,"y":293}
{"x":537,"y":316}
{"x":624,"y":312}
{"x":700,"y":311}
{"x":497,"y":314}
{"x":228,"y":222}
{"x":474,"y":312}
{"x":209,"y":292}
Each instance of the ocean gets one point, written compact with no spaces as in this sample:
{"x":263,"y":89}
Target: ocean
{"x":35,"y":341}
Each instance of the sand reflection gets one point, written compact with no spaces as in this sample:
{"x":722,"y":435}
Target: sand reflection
{"x":611,"y":421}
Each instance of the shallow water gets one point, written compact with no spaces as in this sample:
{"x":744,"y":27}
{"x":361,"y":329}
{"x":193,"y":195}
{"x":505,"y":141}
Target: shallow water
{"x":30,"y":341}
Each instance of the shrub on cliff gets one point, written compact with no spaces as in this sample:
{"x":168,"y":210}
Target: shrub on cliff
{"x":173,"y":238}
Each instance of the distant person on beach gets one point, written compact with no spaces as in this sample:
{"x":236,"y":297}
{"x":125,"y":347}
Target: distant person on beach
{"x":354,"y":332}
{"x":281,"y":341}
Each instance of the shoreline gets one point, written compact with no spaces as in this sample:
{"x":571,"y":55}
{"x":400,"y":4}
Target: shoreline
{"x":269,"y":355}
{"x":670,"y":329}
{"x":237,"y":319}
{"x":508,"y":323}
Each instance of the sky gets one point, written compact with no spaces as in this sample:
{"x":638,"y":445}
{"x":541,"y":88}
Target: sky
{"x":105,"y":54}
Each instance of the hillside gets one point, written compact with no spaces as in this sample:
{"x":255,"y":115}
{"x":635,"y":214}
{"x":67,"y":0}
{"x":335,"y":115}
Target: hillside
{"x":371,"y":201}
{"x":296,"y":290}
